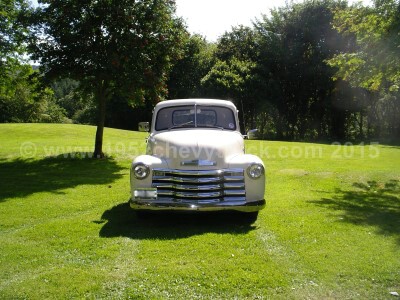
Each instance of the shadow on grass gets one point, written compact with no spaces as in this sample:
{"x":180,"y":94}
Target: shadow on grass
{"x":122,"y":221}
{"x":391,"y":146}
{"x":373,"y":203}
{"x":23,"y":177}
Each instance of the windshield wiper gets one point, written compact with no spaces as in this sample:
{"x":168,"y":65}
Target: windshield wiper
{"x":211,"y":126}
{"x":180,"y":125}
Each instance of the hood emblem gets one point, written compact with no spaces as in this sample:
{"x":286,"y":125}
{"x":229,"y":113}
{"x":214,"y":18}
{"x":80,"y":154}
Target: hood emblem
{"x":199,"y":163}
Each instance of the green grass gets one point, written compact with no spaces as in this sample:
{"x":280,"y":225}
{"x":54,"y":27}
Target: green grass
{"x":331,"y":228}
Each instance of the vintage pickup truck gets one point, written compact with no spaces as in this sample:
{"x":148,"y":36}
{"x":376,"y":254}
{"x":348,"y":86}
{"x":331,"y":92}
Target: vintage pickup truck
{"x":196,"y":161}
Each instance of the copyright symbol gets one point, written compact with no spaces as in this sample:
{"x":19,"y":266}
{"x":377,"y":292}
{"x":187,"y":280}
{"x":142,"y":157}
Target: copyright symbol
{"x":28,"y":150}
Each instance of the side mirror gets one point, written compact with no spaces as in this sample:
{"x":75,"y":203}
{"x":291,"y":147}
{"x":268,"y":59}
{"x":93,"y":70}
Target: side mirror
{"x":252,"y":134}
{"x":144,"y":126}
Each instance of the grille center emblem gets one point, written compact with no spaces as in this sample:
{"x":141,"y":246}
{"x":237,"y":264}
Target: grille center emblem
{"x":199,"y":163}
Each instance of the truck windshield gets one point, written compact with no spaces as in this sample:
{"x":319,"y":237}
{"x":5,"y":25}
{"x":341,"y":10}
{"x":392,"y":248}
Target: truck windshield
{"x":195,"y":116}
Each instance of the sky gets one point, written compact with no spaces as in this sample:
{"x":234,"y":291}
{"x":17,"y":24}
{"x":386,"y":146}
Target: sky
{"x":211,"y":18}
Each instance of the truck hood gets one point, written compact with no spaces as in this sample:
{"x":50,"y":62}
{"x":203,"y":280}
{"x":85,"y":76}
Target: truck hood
{"x":196,"y":149}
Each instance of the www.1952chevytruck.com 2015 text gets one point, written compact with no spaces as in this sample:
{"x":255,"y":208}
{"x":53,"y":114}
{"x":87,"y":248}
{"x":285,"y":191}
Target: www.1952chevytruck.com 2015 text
{"x":195,"y":161}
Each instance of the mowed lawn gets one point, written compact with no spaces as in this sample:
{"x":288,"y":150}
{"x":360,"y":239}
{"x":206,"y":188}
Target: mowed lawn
{"x":330,"y":230}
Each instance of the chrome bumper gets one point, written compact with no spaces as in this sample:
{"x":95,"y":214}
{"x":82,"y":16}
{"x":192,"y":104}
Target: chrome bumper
{"x":171,"y":205}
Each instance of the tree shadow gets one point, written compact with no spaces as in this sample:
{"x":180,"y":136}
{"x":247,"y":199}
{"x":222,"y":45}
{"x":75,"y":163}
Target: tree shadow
{"x":122,"y":221}
{"x":23,"y":177}
{"x":391,"y":146}
{"x":374,"y":204}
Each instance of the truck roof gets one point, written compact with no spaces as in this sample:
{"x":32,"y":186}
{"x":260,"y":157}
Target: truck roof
{"x":178,"y":102}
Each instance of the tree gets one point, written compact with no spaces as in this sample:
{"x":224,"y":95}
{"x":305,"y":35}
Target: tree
{"x":232,"y":75}
{"x":185,"y":77}
{"x":294,"y":44}
{"x":231,"y":80}
{"x":109,"y":46}
{"x":22,"y":97}
{"x":374,"y":65}
{"x":79,"y":105}
{"x":13,"y":33}
{"x":240,"y":42}
{"x":12,"y":36}
{"x":13,"y":30}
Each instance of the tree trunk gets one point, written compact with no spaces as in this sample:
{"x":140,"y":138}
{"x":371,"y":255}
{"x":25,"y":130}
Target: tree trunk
{"x":101,"y":100}
{"x":361,"y":126}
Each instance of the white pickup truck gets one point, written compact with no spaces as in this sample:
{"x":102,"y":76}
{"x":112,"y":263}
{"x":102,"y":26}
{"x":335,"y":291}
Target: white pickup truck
{"x":196,"y":161}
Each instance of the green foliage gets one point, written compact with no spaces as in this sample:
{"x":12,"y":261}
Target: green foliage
{"x":68,"y":96}
{"x":196,"y":60}
{"x":51,"y":112}
{"x":125,"y":47}
{"x":232,"y":80}
{"x":13,"y":30}
{"x":228,"y":78}
{"x":23,"y":98}
{"x":374,"y":64}
{"x":286,"y":73}
{"x":79,"y":105}
{"x":233,"y":75}
{"x":12,"y":37}
{"x":294,"y":44}
{"x":240,"y":42}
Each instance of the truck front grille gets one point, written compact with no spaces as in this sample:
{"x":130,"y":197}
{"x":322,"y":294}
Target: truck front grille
{"x":208,"y":186}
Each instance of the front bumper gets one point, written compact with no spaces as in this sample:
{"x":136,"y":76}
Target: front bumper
{"x":171,"y":205}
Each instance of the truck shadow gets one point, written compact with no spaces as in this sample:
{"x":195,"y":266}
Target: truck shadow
{"x":122,"y":221}
{"x":369,"y":204}
{"x":23,"y":177}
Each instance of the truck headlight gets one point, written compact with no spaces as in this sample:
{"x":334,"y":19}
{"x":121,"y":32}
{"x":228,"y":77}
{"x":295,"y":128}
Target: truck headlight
{"x":141,"y":171}
{"x":255,"y":171}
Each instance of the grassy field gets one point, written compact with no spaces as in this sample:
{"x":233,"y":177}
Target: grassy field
{"x":331,"y":228}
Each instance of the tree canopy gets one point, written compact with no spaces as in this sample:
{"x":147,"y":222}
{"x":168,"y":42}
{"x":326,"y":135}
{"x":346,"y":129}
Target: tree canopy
{"x":23,"y":98}
{"x":13,"y":30}
{"x":374,"y":63}
{"x":124,"y":47}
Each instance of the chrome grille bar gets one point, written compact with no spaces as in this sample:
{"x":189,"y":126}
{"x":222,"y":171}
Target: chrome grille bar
{"x":176,"y":179}
{"x":204,"y":186}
